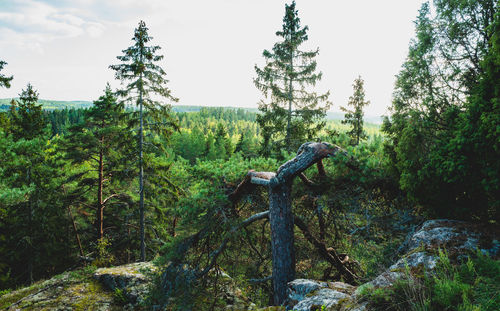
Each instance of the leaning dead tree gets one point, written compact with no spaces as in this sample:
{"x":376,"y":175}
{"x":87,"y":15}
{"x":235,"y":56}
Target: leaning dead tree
{"x":281,"y":218}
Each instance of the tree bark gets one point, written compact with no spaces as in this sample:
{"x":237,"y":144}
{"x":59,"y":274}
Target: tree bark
{"x":141,"y":175}
{"x":281,"y":217}
{"x":100,"y":207}
{"x":281,"y":222}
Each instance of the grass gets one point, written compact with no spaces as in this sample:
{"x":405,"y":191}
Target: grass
{"x":472,"y":285}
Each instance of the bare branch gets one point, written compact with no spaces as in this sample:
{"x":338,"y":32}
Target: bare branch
{"x":223,"y":245}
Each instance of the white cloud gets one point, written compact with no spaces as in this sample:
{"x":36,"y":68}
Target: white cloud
{"x":31,"y":23}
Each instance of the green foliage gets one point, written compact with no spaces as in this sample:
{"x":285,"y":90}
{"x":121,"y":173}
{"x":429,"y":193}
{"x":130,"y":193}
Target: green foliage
{"x":472,"y":285}
{"x":4,"y":80}
{"x":119,"y":296}
{"x":99,"y":144}
{"x":26,"y":120}
{"x":146,"y":82}
{"x":30,"y":209}
{"x":355,"y":117}
{"x":290,"y":114}
{"x":104,"y":258}
{"x":84,"y":273}
{"x":443,"y":130}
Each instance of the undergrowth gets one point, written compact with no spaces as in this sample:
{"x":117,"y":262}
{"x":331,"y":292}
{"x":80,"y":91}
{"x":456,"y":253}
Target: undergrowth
{"x":473,"y":285}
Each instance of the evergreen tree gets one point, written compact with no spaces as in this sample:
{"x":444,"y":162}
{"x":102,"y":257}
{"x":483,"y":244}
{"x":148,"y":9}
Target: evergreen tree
{"x":99,"y":141}
{"x":293,"y":112}
{"x":4,"y":80}
{"x":26,"y":116}
{"x":223,"y":143}
{"x":145,"y":81}
{"x":32,"y":204}
{"x":443,"y":105}
{"x":240,"y":144}
{"x":355,"y":117}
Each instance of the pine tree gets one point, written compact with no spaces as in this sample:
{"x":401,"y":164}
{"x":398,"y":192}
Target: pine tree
{"x":355,"y":117}
{"x":145,"y":81}
{"x":4,"y":80}
{"x":293,"y":112}
{"x":32,"y":173}
{"x":99,"y":142}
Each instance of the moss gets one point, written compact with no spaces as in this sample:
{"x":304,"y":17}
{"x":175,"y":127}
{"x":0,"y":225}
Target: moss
{"x":15,"y":296}
{"x":92,"y":294}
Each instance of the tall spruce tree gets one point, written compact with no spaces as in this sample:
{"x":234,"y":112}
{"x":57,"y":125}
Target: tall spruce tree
{"x":294,"y":112}
{"x":354,"y":117}
{"x":144,"y":81}
{"x":4,"y":80}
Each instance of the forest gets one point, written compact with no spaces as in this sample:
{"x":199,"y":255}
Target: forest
{"x":212,"y":191}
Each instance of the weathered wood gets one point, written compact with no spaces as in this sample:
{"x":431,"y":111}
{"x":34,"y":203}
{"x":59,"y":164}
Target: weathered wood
{"x":259,"y":181}
{"x":246,"y":185}
{"x":280,"y":208}
{"x":281,"y":224}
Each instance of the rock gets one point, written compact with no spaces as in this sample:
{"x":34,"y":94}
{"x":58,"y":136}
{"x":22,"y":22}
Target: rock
{"x":323,"y":297}
{"x":74,"y":290}
{"x":458,"y":238}
{"x":383,"y":280}
{"x":455,"y":236}
{"x":308,"y":295}
{"x":415,"y":260}
{"x":131,"y":279}
{"x":299,"y":288}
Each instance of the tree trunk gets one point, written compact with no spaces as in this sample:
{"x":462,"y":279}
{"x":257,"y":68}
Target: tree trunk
{"x":288,"y":136}
{"x":80,"y":248}
{"x":100,"y":207}
{"x":281,"y":218}
{"x":281,"y":222}
{"x":30,"y":230}
{"x":141,"y":176}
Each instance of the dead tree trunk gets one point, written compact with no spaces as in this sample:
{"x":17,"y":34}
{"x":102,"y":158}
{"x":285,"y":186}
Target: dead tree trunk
{"x":281,"y":218}
{"x":283,"y":254}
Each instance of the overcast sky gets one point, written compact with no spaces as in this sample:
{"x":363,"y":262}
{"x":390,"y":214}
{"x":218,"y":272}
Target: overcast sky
{"x":64,"y":47}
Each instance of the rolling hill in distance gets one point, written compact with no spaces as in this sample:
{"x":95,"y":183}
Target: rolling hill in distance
{"x":49,"y":104}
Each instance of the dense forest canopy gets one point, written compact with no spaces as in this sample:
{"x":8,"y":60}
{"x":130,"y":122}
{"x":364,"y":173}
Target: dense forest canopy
{"x":204,"y":191}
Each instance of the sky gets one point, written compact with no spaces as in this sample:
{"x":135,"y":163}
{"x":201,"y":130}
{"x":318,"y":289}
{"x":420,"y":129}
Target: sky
{"x":64,"y":47}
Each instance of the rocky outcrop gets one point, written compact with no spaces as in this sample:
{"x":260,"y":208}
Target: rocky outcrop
{"x":116,"y":288}
{"x":420,"y":253}
{"x":73,"y":290}
{"x":124,"y":287}
{"x":131,"y":280}
{"x":309,"y":295}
